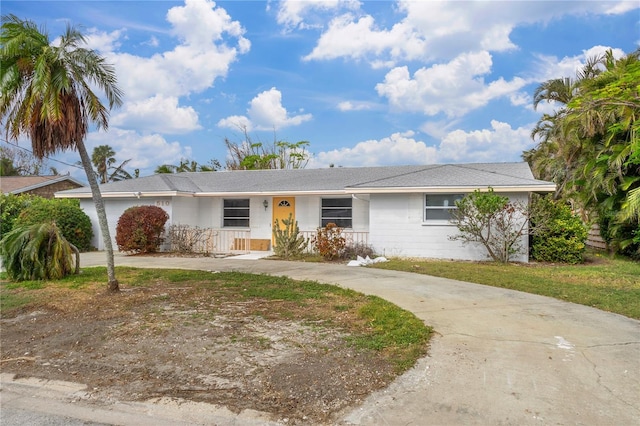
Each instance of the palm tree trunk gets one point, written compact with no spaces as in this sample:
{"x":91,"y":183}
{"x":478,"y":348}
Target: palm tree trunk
{"x":112,"y":285}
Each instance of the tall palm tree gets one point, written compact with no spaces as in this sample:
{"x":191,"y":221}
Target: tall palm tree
{"x":47,"y":94}
{"x":103,"y":160}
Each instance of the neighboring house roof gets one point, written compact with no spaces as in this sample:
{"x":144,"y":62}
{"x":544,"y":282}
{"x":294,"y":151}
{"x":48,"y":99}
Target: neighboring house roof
{"x":502,"y":177}
{"x":22,"y":184}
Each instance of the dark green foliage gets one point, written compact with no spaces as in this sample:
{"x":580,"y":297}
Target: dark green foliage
{"x":288,"y":241}
{"x":559,"y":235}
{"x":140,"y":229}
{"x":10,"y":207}
{"x":74,"y":224}
{"x":36,"y":252}
{"x":623,"y":238}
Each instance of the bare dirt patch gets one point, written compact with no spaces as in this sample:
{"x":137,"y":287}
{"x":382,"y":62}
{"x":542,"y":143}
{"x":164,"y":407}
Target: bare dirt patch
{"x":183,"y":340}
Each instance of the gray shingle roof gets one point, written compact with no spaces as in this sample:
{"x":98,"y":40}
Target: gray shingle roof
{"x":328,"y":180}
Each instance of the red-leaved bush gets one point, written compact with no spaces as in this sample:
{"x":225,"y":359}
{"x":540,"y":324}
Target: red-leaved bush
{"x":329,"y":241}
{"x":140,"y":229}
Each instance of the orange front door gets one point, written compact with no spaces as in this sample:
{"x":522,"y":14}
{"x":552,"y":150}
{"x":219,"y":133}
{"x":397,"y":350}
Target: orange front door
{"x":282,"y":208}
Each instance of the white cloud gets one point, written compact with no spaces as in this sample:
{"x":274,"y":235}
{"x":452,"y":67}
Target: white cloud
{"x":145,"y":151}
{"x":620,"y":7}
{"x":454,"y":88}
{"x":153,"y":42}
{"x":159,"y":114}
{"x":236,"y":122}
{"x":104,"y":42}
{"x":355,"y":106}
{"x":292,"y":13}
{"x":549,"y":67}
{"x":499,"y":143}
{"x":265,"y":112}
{"x":432,"y":31}
{"x":203,"y":55}
{"x":399,"y":148}
{"x":208,"y":42}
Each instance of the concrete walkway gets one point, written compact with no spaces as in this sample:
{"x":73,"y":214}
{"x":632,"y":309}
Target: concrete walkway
{"x":500,"y":357}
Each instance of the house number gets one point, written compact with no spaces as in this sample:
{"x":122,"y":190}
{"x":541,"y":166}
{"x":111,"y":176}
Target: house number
{"x":163,"y":203}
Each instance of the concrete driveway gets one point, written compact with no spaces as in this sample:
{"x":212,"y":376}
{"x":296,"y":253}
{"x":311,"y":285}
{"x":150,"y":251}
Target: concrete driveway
{"x":499,"y":357}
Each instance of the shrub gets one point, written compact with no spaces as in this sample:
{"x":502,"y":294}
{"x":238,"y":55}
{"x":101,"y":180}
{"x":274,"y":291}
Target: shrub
{"x":10,"y":207}
{"x":329,"y":242}
{"x":140,"y":229}
{"x":185,"y":238}
{"x":74,"y":224}
{"x":288,"y":241}
{"x":558,"y":234}
{"x":621,"y":237}
{"x":36,"y":252}
{"x":491,"y":220}
{"x":352,"y":251}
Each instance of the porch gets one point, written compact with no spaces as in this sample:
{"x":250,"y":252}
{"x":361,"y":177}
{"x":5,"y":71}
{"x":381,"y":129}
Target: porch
{"x":219,"y":241}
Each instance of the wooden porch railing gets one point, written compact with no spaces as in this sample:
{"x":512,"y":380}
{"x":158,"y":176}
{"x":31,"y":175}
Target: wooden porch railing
{"x":217,"y":241}
{"x":352,"y":238}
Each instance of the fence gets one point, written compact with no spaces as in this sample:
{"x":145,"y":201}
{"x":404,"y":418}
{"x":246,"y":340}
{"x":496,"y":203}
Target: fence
{"x":594,"y":239}
{"x":352,"y":238}
{"x":210,"y":240}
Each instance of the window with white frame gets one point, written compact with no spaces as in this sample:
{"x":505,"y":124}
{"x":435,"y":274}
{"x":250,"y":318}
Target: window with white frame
{"x":438,"y":207}
{"x":236,"y":213}
{"x":338,"y":211}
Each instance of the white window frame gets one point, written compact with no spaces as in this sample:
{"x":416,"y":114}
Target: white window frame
{"x":447,"y":205}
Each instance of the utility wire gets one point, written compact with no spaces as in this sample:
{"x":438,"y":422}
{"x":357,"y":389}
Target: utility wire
{"x":47,"y":158}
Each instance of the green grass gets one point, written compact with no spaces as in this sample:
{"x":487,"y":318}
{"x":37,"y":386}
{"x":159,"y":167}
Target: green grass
{"x":393,"y":329}
{"x":373,"y":323}
{"x":610,"y":284}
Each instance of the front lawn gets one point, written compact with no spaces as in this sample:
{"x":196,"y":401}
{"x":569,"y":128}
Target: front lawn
{"x":298,"y":350}
{"x":601,"y":282}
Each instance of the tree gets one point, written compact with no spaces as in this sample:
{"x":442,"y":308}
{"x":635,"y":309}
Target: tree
{"x":188,"y":166}
{"x":250,"y":155}
{"x":48,"y":94}
{"x":37,"y":252}
{"x":591,"y":146}
{"x":19,"y":162}
{"x":103,"y":160}
{"x":493,"y":221}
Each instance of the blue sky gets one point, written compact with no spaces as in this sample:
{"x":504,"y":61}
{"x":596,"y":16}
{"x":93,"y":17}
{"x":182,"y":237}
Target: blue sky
{"x":365,"y":82}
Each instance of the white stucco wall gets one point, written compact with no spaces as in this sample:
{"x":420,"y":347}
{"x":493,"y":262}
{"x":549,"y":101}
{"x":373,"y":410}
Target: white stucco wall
{"x":395,"y":222}
{"x":114,"y":209}
{"x":398,"y":228}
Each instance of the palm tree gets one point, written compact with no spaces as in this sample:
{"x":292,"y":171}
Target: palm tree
{"x":103,"y":159}
{"x":47,"y":94}
{"x":37,"y":252}
{"x":188,"y":166}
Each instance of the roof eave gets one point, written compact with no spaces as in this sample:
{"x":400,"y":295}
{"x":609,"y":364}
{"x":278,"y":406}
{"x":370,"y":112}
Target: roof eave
{"x":45,"y":183}
{"x":126,"y":194}
{"x":269,"y":193}
{"x":453,"y":189}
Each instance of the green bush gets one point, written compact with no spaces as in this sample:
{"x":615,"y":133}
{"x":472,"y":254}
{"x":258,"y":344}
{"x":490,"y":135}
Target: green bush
{"x":140,"y":229}
{"x":558,"y":234}
{"x":74,"y":224}
{"x":10,"y":207}
{"x":36,"y":252}
{"x":621,"y":237}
